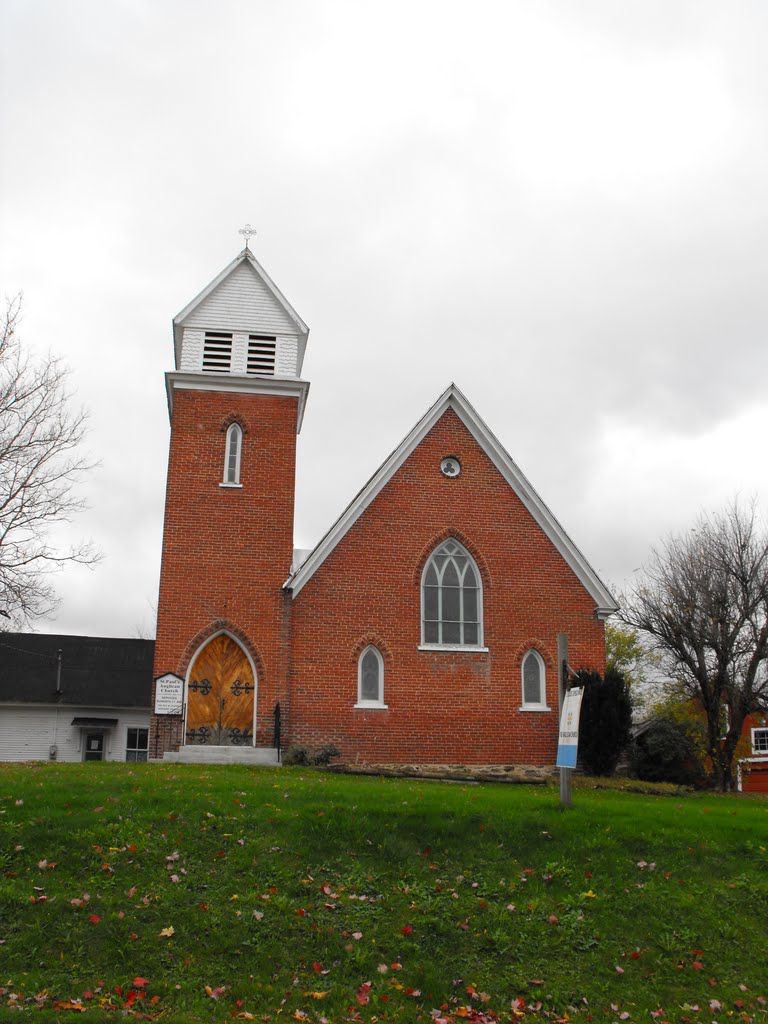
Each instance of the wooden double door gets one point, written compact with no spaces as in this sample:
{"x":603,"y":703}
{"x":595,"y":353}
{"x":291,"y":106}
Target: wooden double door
{"x":221,"y":695}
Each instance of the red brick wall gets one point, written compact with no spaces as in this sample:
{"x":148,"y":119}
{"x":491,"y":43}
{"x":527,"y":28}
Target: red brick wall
{"x":443,"y":707}
{"x":227,"y":551}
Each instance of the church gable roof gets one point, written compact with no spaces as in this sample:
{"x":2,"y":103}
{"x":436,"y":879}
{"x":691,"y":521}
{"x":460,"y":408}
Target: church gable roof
{"x":242,"y":297}
{"x":453,"y":399}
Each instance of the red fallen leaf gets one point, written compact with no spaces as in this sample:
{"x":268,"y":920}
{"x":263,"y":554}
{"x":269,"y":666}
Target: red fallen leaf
{"x":220,"y":853}
{"x":738,"y":1004}
{"x":362,"y":993}
{"x":140,"y":982}
{"x":93,"y":919}
{"x":317,"y":967}
{"x":697,"y":965}
{"x":155,"y":1000}
{"x":407,"y":930}
{"x":134,"y":936}
{"x":88,"y":995}
{"x":552,"y":919}
{"x":301,"y":912}
{"x":132,"y":848}
{"x":203,"y":906}
{"x":396,"y":966}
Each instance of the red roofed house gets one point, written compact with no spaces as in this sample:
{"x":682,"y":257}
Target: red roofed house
{"x":430,"y":623}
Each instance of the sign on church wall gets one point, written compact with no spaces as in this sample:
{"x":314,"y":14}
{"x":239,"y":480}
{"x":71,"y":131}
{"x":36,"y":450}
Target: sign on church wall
{"x":169,"y":694}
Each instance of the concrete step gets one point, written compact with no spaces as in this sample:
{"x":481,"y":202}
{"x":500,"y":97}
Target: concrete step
{"x":199,"y":754}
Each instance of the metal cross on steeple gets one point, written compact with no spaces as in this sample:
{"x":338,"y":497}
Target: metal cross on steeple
{"x":246,"y":232}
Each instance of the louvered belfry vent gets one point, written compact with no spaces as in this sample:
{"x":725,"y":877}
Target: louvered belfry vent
{"x":217,"y":352}
{"x":261,"y":355}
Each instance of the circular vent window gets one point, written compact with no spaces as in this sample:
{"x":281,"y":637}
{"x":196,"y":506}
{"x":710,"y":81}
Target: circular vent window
{"x":450,"y":466}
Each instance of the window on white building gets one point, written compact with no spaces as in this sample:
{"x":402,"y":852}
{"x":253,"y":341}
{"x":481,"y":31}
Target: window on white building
{"x":217,"y":352}
{"x":137,"y":745}
{"x":261,"y":355}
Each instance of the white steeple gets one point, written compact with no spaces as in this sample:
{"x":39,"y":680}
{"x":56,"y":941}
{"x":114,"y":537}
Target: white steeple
{"x":240,"y":324}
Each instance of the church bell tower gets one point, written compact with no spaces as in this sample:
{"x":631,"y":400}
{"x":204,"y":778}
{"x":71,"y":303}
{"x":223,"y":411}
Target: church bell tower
{"x":236,"y":401}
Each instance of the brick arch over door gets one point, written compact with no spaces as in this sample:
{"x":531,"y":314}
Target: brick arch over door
{"x":221,"y":694}
{"x":221,"y":626}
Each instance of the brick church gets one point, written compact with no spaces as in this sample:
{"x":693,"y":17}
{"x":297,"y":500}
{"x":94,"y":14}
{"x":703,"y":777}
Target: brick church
{"x":431,"y":623}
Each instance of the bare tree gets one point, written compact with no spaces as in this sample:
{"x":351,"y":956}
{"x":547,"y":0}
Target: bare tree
{"x":703,"y":604}
{"x":40,"y":465}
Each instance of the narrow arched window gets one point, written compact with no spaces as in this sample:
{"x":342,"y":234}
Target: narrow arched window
{"x":370,"y":678}
{"x":451,"y":598}
{"x":232,"y":452}
{"x":534,"y":681}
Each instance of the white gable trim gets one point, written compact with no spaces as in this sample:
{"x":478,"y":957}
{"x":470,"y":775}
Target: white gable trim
{"x":452,"y":398}
{"x":245,"y":255}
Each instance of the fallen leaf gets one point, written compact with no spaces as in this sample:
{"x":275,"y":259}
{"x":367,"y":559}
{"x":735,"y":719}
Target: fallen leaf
{"x":166,"y":933}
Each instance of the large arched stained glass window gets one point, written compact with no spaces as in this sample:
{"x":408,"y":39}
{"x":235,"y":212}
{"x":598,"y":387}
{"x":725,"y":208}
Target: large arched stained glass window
{"x":451,"y":598}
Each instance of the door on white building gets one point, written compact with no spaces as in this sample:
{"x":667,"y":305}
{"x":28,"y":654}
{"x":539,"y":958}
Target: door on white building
{"x":94,"y":746}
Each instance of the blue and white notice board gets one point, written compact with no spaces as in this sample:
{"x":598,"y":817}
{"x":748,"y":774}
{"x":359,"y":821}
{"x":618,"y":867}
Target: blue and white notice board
{"x":568,"y":743}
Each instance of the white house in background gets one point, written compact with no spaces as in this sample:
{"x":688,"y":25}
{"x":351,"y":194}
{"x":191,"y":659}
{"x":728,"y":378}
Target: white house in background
{"x":74,"y":698}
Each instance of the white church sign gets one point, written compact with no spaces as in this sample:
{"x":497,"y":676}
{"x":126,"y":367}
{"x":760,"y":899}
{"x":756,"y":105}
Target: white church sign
{"x":169,"y":694}
{"x":568,"y":742}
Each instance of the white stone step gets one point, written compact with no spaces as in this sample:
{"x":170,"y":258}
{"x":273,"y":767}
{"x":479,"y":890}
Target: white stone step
{"x":199,"y":754}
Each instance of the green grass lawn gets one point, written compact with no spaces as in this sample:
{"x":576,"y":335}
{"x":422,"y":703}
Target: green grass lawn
{"x":211,"y":894}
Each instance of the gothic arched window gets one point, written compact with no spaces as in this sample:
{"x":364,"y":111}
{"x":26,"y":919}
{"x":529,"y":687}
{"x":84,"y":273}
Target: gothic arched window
{"x":370,"y":678}
{"x":451,"y":598}
{"x":534,"y":680}
{"x":232,"y":451}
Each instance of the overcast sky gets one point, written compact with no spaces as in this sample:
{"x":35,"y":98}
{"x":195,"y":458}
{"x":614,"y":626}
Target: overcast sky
{"x":561,"y":206}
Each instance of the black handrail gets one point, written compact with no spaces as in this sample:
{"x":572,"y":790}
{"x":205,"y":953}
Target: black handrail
{"x":276,"y":743}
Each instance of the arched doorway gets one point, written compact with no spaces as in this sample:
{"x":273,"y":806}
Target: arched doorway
{"x":221,"y":689}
